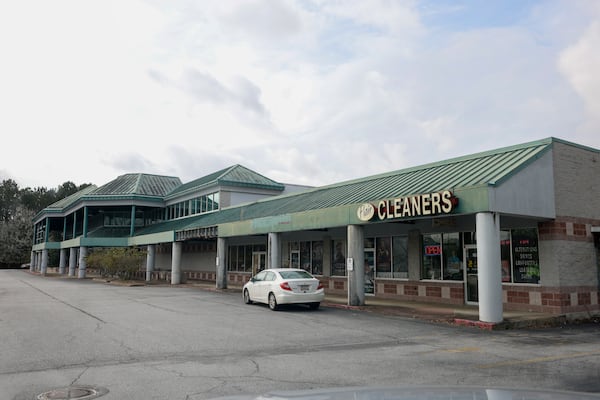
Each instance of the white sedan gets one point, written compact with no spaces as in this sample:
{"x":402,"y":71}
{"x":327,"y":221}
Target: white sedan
{"x":284,"y":286}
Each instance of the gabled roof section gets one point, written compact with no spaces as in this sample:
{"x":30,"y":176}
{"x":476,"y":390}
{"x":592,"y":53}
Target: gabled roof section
{"x":67,"y":201}
{"x":236,"y":175}
{"x":138,"y":184}
{"x":489,"y":168}
{"x":479,"y":170}
{"x":61,"y":205}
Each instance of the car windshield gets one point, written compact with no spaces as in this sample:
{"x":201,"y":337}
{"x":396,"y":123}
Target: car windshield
{"x":295,"y":275}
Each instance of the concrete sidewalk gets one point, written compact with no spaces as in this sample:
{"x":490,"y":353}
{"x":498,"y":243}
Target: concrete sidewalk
{"x":465,"y":315}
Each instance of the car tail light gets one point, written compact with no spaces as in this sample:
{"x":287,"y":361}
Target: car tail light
{"x":285,"y":286}
{"x":320,"y":286}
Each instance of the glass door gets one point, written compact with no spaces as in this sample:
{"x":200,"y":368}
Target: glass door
{"x":471,"y":282}
{"x":259,"y":261}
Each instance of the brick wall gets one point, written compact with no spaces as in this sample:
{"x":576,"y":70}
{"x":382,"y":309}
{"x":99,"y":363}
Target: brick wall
{"x":556,"y":300}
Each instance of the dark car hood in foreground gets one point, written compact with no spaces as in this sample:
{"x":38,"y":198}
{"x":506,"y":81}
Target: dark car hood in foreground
{"x":419,"y":393}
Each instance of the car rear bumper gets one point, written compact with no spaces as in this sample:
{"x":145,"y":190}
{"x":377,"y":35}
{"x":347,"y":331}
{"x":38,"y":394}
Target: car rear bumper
{"x":298,"y":298}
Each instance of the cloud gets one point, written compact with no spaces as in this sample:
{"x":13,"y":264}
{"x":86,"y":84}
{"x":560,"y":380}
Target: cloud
{"x":580,"y":63}
{"x":305,"y":91}
{"x":130,"y":162}
{"x":202,"y":87}
{"x":193,"y":163}
{"x":265,"y":19}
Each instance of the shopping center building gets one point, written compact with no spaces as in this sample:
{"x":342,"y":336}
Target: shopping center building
{"x":515,"y":228}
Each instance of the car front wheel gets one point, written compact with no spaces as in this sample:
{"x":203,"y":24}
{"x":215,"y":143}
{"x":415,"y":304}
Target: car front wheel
{"x":247,"y":297}
{"x":272,"y":302}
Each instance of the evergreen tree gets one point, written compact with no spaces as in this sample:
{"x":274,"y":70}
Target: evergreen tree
{"x":17,"y":209}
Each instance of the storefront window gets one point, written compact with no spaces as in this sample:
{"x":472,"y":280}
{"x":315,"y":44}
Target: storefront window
{"x":232,"y":264}
{"x":248,"y":259}
{"x":338,"y":264}
{"x":305,"y":256}
{"x":383,"y":258}
{"x":525,"y":255}
{"x":452,"y":253}
{"x":317,"y":258}
{"x":400,"y":257}
{"x":241,"y":259}
{"x":432,"y":256}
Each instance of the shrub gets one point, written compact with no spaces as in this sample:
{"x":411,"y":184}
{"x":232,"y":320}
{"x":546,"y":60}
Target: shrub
{"x":120,"y":263}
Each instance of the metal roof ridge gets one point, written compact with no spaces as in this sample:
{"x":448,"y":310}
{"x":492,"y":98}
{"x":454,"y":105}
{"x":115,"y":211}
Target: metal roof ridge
{"x":449,"y":161}
{"x":541,"y":142}
{"x":174,"y":193}
{"x":138,"y":183}
{"x":221,"y":178}
{"x":228,"y":170}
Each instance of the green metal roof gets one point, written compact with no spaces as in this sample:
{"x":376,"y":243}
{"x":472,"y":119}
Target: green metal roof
{"x":63,"y":203}
{"x":468,"y":174}
{"x":484,"y":169}
{"x":489,"y":168}
{"x":236,"y":175}
{"x":138,"y":184}
{"x":147,"y":187}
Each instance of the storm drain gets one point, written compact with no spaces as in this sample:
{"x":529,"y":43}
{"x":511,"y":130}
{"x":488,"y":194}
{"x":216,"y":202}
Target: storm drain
{"x":73,"y":393}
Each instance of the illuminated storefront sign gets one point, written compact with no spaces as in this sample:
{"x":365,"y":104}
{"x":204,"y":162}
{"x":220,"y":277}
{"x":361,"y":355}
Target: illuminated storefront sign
{"x":411,"y":206}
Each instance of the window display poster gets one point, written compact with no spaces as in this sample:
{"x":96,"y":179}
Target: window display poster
{"x":369,"y":272}
{"x":526,"y":264}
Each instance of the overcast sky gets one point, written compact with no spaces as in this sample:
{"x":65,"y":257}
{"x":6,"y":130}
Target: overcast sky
{"x":309,"y":92}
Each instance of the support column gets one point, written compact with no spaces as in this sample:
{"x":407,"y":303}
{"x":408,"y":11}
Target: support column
{"x":150,"y":257}
{"x":132,"y":225}
{"x":82,"y":262}
{"x":85,"y":222}
{"x":72,"y":261}
{"x":47,"y":230}
{"x":62,"y":261}
{"x":221,"y":263}
{"x":32,"y":262}
{"x":44,"y":267}
{"x":489,"y":270}
{"x":356,"y":275}
{"x":74,"y":224}
{"x":274,"y":250}
{"x":176,"y":263}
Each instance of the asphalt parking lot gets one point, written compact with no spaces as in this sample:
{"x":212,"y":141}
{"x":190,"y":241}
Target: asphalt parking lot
{"x":162,"y":342}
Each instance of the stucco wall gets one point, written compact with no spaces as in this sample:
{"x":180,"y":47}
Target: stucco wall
{"x":190,"y":260}
{"x":530,"y":192}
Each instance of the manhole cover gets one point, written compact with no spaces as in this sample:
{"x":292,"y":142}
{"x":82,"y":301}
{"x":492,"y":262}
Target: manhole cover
{"x":73,"y":393}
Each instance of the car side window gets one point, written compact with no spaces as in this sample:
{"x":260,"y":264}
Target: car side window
{"x":260,"y":276}
{"x":270,"y":276}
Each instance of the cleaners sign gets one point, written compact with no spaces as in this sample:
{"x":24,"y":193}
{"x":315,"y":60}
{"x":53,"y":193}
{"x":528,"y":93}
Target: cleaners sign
{"x":411,"y":206}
